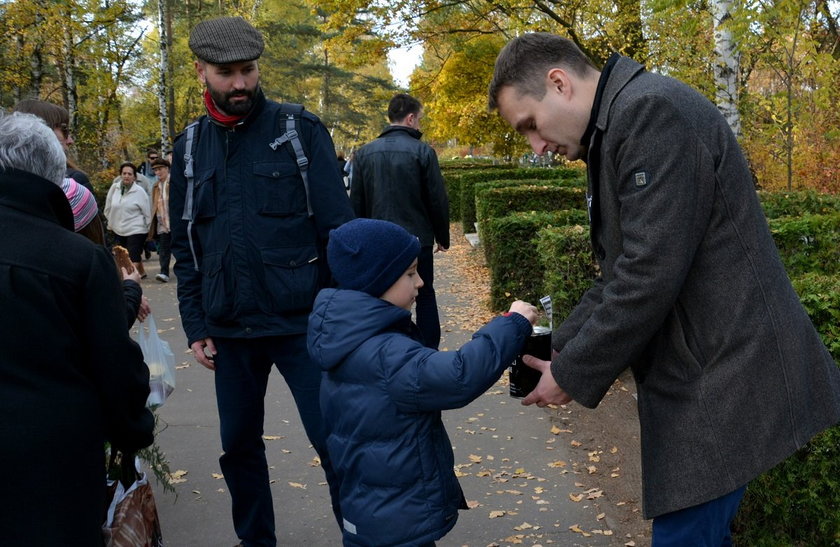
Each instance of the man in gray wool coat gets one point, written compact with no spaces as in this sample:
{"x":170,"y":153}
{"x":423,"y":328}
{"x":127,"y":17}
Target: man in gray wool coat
{"x":732,"y":377}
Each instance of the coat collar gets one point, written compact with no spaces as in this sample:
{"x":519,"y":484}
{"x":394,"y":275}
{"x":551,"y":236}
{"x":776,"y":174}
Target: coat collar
{"x":624,"y":70}
{"x":410,"y":131}
{"x":35,"y":196}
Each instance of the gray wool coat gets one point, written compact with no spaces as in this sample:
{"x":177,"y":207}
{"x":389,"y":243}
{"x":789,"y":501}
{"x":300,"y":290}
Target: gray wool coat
{"x":732,"y":377}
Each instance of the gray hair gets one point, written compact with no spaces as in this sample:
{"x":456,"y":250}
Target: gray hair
{"x":27,"y":144}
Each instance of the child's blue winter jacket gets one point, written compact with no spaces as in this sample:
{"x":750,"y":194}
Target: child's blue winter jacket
{"x":381,"y":399}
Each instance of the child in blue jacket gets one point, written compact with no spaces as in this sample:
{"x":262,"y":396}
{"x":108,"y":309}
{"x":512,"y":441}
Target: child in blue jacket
{"x":383,"y":390}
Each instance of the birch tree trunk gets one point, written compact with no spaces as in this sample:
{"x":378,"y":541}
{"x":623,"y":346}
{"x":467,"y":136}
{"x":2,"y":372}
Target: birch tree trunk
{"x":726,"y":65}
{"x":165,"y":140}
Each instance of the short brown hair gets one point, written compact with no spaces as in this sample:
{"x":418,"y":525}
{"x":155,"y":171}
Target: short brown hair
{"x":402,"y":105}
{"x":525,"y":60}
{"x":56,"y":116}
{"x":160,"y":162}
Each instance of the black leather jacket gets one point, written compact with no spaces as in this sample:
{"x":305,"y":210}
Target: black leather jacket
{"x":397,"y":178}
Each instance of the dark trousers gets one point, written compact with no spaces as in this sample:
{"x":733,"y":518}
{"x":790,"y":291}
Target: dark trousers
{"x":164,"y":250}
{"x":426,"y":310}
{"x":242,"y":369}
{"x":704,"y":525}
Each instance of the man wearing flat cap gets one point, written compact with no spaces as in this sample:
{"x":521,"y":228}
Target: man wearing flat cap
{"x":249,"y":250}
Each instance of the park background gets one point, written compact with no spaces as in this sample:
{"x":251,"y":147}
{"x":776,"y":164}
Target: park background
{"x":125,"y":73}
{"x":124,"y":70}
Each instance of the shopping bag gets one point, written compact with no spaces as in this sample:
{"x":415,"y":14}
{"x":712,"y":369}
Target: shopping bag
{"x":160,"y":360}
{"x":131,"y":518}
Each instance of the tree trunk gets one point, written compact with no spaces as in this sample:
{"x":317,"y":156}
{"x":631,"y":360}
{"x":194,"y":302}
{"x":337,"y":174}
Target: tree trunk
{"x":165,"y":140}
{"x":726,"y":65}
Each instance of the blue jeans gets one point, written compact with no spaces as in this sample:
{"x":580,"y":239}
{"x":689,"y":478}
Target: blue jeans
{"x":426,"y":308}
{"x":704,"y":525}
{"x":242,"y":369}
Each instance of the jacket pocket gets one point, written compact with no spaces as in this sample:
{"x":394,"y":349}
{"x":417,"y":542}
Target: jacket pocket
{"x":216,"y":295}
{"x":279,"y":189}
{"x":204,"y":199}
{"x":291,"y":277}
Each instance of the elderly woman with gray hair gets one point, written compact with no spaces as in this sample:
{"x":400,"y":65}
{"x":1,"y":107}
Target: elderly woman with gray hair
{"x":70,"y":376}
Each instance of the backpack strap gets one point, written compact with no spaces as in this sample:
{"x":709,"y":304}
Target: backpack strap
{"x":291,"y":112}
{"x":189,"y":174}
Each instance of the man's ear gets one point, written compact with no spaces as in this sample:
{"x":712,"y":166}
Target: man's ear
{"x":558,"y":79}
{"x":200,"y":67}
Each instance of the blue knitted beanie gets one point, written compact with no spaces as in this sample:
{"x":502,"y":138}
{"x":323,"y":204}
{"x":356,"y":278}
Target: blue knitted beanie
{"x":370,"y":255}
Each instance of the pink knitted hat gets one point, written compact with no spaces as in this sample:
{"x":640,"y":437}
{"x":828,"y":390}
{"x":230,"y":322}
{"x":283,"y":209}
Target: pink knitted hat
{"x":81,"y":201}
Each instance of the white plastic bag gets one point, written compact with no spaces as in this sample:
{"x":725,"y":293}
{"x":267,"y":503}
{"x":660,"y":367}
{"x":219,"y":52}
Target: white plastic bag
{"x":160,"y":360}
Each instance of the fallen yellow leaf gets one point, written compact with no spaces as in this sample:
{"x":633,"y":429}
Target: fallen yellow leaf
{"x":217,"y":475}
{"x":297,"y":485}
{"x":496,"y":514}
{"x":576,"y":497}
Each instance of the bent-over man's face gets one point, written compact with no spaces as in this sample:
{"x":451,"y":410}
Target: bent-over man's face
{"x":554,"y":123}
{"x":232,"y":86}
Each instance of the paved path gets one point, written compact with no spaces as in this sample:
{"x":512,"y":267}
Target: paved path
{"x":515,"y":472}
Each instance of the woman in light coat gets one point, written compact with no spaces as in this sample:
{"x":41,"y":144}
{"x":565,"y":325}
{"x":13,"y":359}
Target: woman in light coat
{"x":128,"y":212}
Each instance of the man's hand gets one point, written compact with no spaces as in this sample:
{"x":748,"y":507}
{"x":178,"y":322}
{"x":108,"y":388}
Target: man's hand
{"x":133,"y":276}
{"x":441,"y":249}
{"x":547,"y":391}
{"x":144,"y":310}
{"x":200,"y":348}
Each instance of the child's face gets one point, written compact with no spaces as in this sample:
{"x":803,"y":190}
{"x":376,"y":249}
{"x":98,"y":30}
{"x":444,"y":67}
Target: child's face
{"x":403,"y":292}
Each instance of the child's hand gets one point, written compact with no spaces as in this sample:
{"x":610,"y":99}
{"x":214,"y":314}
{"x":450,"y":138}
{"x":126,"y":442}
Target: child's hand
{"x":525,"y":309}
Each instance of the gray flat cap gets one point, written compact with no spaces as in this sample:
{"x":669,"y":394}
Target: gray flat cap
{"x":226,"y":40}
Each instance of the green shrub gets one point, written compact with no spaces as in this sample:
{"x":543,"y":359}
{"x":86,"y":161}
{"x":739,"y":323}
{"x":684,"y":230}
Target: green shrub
{"x":797,"y":502}
{"x":473,"y":163}
{"x":493,"y":202}
{"x":820,"y":295}
{"x":452,"y":178}
{"x":452,"y":181}
{"x":809,"y":243}
{"x":514,"y":264}
{"x":468,"y":182}
{"x":568,"y":266}
{"x":805,"y":202}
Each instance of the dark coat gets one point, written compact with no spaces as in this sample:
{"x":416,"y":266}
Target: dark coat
{"x":381,"y":399}
{"x":397,"y":178}
{"x":732,"y":377}
{"x":70,"y":376}
{"x":261,"y":257}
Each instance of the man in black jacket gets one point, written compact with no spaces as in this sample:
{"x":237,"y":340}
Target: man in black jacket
{"x":397,"y":178}
{"x":70,"y":376}
{"x":250,"y":262}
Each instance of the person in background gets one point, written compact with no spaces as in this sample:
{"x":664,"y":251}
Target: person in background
{"x":251,"y":263}
{"x":71,"y":378}
{"x":147,"y":168}
{"x":58,"y":119}
{"x":128,"y":213}
{"x":732,"y":377}
{"x":159,"y":228}
{"x":397,"y":178}
{"x":384,"y":390}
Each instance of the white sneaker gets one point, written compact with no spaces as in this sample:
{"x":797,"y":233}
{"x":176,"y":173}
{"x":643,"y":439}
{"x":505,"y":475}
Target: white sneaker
{"x":163,"y":278}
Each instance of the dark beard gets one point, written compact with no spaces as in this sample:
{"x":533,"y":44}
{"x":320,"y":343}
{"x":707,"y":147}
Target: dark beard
{"x":224,"y":104}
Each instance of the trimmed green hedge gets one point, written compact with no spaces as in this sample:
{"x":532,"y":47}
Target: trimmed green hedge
{"x":468,"y":182}
{"x":452,"y":178}
{"x":820,"y":295}
{"x":568,"y":266}
{"x":495,"y":202}
{"x":797,"y":502}
{"x":514,"y":264}
{"x":804,"y":202}
{"x":808,"y":243}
